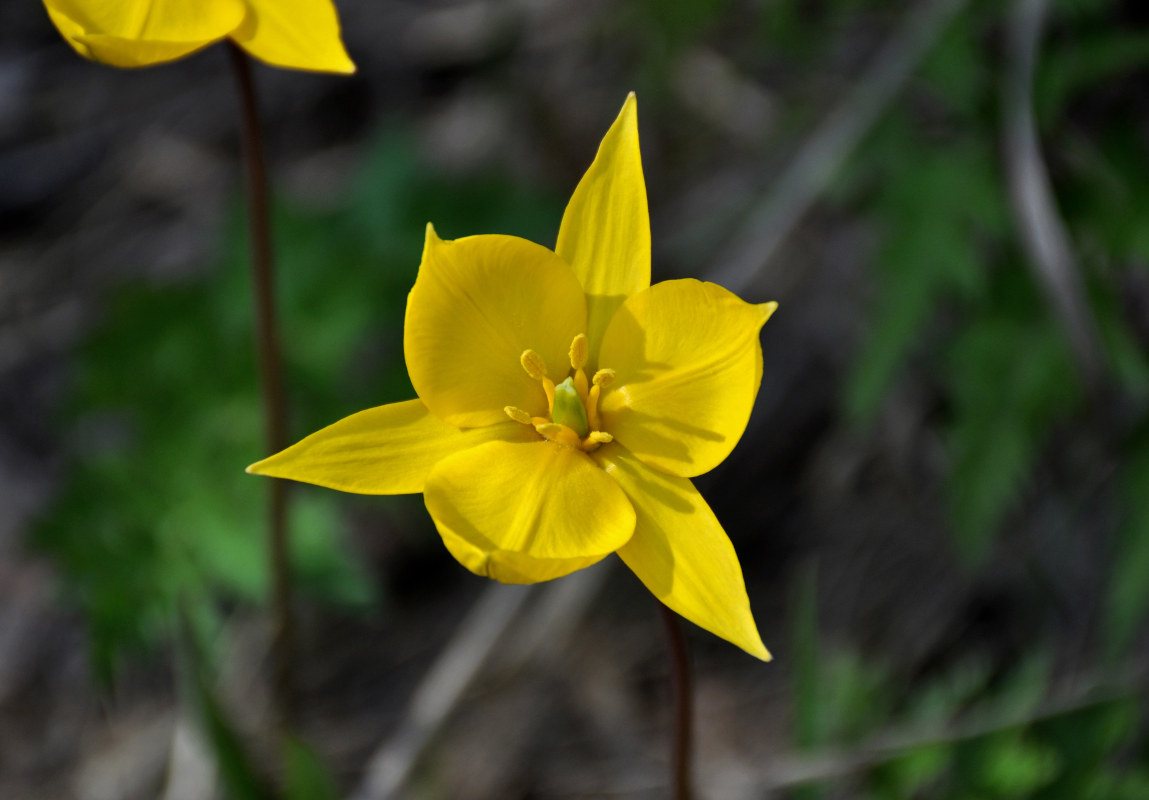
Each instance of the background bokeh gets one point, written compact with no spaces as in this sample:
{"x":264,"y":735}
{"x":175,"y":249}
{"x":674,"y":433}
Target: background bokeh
{"x":941,"y":504}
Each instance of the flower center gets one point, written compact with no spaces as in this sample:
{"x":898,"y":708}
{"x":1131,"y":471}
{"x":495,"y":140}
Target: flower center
{"x":568,"y":408}
{"x":573,"y":404}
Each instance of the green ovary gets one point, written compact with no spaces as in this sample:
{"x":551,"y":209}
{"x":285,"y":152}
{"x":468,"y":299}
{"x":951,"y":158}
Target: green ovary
{"x":569,"y":410}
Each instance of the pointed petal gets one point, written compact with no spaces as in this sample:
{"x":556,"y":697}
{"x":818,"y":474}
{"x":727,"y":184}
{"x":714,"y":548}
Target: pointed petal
{"x":680,"y":552}
{"x":141,"y":34}
{"x":477,"y":304}
{"x":523,"y":513}
{"x":605,"y":232}
{"x":297,"y":34}
{"x":384,"y":450}
{"x":687,"y":365}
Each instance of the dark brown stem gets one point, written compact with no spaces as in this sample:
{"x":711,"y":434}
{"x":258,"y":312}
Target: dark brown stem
{"x":680,"y":677}
{"x":271,"y":382}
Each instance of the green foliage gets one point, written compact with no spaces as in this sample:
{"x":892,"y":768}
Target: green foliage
{"x":957,"y":301}
{"x":304,"y":775}
{"x":1128,"y":600}
{"x":166,"y":410}
{"x":1004,"y":764}
{"x":957,"y":307}
{"x":1010,"y":379}
{"x":807,"y":684}
{"x":1074,"y":66}
{"x":1078,"y":11}
{"x":837,"y":696}
{"x":240,"y":779}
{"x":1104,"y":199}
{"x":657,"y":35}
{"x":946,"y":256}
{"x":307,"y":778}
{"x":1088,"y":742}
{"x":939,"y":207}
{"x":799,"y":28}
{"x":964,"y":733}
{"x":810,"y":711}
{"x":688,"y":20}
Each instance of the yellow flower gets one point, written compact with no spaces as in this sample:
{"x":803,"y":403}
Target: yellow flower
{"x":297,"y":34}
{"x":564,"y":403}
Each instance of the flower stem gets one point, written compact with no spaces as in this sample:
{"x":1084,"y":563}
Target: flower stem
{"x":271,"y":383}
{"x":680,"y":676}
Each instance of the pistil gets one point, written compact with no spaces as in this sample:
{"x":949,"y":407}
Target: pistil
{"x":568,"y":408}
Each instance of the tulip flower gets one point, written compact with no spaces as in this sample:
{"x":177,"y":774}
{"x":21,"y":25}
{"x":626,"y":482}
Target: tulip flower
{"x":564,"y":404}
{"x":296,"y":34}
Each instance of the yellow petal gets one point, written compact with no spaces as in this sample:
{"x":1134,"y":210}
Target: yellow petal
{"x":137,"y":34}
{"x":680,"y":552}
{"x":687,"y":365}
{"x":297,"y":34}
{"x":384,"y":450}
{"x":477,"y":305}
{"x":523,"y":513}
{"x":605,"y":232}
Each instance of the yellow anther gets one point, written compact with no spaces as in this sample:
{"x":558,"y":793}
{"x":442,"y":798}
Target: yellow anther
{"x":534,"y":365}
{"x":572,"y":406}
{"x":518,"y":415}
{"x":560,"y":434}
{"x":595,"y":440}
{"x":579,"y":351}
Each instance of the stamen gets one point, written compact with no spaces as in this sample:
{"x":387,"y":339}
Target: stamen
{"x":595,"y":440}
{"x":580,"y":384}
{"x":579,"y":351}
{"x":534,"y":365}
{"x":549,"y":390}
{"x":602,"y":379}
{"x":518,"y":415}
{"x":572,"y":405}
{"x":560,"y":434}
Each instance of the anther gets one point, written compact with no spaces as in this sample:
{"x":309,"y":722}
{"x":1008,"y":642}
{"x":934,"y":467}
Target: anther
{"x":534,"y":365}
{"x":603,"y":378}
{"x":594,"y":441}
{"x":518,"y":415}
{"x":579,"y":351}
{"x":560,"y":434}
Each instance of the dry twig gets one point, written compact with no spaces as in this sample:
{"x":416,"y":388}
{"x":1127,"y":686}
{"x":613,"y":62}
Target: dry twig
{"x":441,"y":688}
{"x":1042,"y":230}
{"x":788,"y":772}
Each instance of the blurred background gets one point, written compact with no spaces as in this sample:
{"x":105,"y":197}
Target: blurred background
{"x":941,"y":504}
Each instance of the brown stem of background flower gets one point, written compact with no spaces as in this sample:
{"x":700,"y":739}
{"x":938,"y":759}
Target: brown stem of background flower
{"x":271,"y":382}
{"x":680,"y":677}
